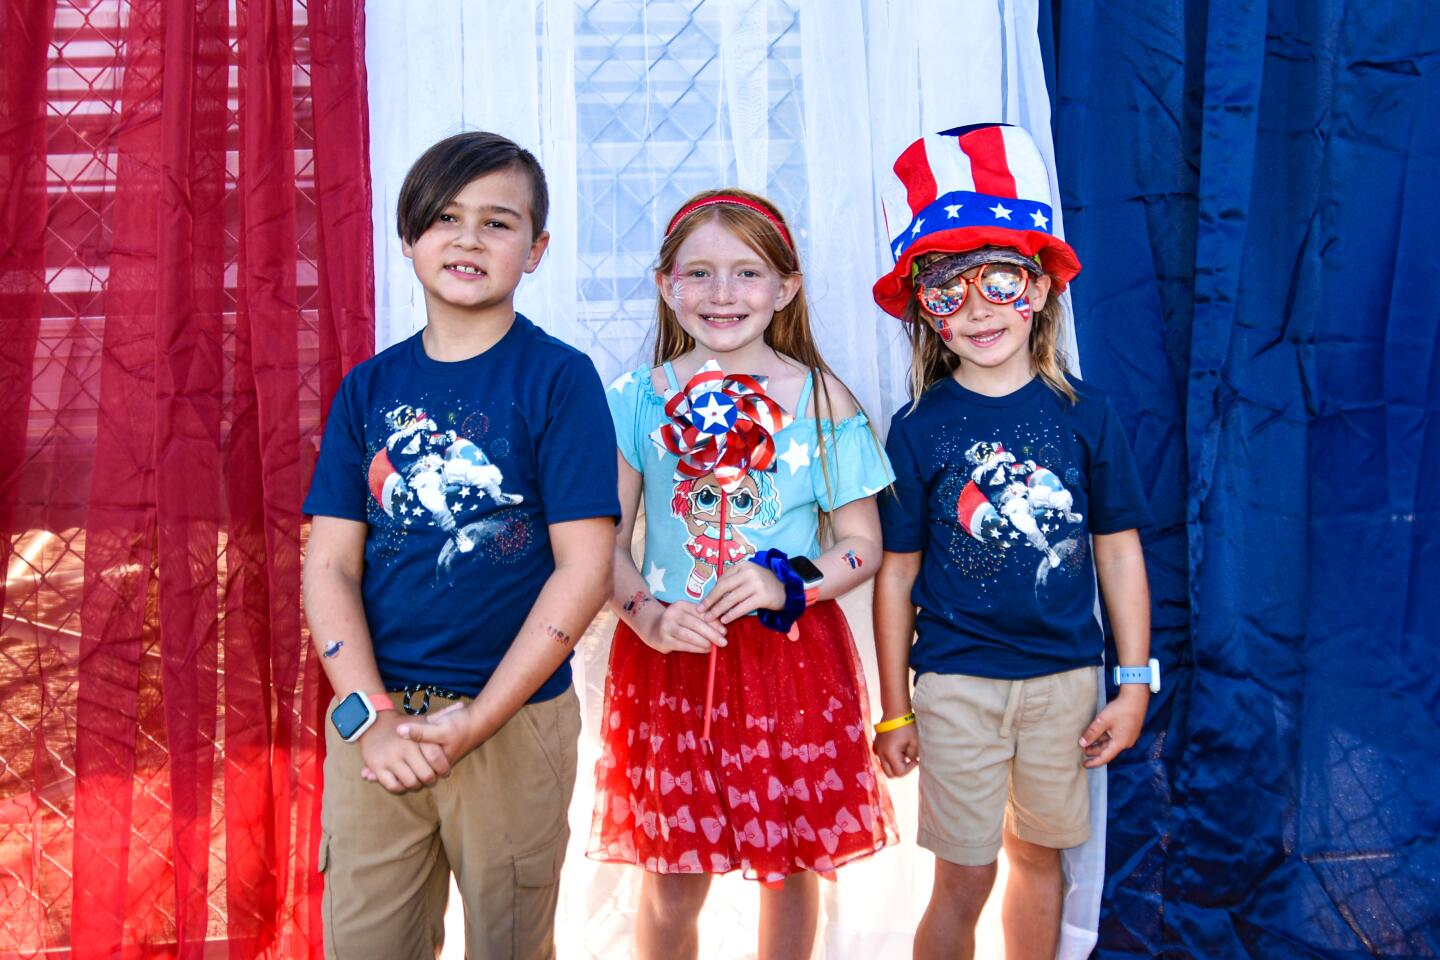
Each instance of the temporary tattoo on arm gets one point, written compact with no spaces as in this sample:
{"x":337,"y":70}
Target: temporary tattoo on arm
{"x":852,"y":558}
{"x":637,"y":600}
{"x":558,"y":635}
{"x":334,"y":648}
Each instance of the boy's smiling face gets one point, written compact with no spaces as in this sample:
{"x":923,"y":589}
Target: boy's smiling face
{"x":471,"y":259}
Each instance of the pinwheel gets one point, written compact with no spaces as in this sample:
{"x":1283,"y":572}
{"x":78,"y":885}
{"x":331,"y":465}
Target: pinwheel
{"x":721,"y":424}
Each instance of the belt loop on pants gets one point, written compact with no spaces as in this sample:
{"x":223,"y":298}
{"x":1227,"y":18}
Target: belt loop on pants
{"x":1012,"y":707}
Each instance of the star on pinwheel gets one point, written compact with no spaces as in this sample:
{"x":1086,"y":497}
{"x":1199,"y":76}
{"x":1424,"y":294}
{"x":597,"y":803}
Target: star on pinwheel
{"x":722,"y":424}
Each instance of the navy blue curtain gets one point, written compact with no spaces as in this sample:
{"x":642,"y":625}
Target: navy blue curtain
{"x":1254,"y":189}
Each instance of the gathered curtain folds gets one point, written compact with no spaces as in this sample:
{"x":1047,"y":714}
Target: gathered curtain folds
{"x":185,"y":275}
{"x":1252,"y":184}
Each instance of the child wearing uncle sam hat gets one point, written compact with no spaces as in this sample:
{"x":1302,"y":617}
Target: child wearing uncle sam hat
{"x":1014,"y":487}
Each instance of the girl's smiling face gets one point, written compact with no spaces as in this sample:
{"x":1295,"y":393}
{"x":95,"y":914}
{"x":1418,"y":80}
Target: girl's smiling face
{"x":724,"y":293}
{"x":992,"y":336}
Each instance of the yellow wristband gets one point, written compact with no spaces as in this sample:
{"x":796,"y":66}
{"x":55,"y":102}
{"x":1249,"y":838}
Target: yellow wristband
{"x":885,"y":726}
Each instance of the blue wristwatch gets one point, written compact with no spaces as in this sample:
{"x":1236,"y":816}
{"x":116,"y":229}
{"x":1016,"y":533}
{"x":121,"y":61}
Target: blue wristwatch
{"x":1148,"y":675}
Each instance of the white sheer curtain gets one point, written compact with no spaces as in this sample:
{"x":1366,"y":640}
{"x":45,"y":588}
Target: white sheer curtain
{"x":631,"y":107}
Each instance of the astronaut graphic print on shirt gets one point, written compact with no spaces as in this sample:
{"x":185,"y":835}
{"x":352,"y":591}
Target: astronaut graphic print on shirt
{"x":1008,"y":502}
{"x":428,"y":476}
{"x":1012,"y":502}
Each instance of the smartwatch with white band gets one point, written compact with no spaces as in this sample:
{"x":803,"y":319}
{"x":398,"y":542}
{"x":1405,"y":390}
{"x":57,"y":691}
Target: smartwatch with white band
{"x":1149,"y":675}
{"x":356,"y":713}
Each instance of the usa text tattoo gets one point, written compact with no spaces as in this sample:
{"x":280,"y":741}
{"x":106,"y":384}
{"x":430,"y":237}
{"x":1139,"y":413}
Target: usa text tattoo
{"x":558,"y":635}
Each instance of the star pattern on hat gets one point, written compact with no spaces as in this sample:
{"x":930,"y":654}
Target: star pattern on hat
{"x":965,"y":187}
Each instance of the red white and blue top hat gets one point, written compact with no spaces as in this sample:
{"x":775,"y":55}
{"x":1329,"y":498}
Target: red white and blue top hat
{"x":968,"y":187}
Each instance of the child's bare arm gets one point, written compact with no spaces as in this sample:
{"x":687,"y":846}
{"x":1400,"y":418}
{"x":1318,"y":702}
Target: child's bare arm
{"x":894,"y":620}
{"x":747,"y":587}
{"x":1120,"y":566}
{"x":334,"y":563}
{"x":678,"y":628}
{"x":569,"y":600}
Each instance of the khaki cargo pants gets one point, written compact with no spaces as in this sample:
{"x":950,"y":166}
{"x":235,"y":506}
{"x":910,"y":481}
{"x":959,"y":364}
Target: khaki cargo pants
{"x":498,"y":821}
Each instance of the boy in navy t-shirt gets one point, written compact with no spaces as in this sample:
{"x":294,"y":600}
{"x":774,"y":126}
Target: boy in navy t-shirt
{"x":464,"y":506}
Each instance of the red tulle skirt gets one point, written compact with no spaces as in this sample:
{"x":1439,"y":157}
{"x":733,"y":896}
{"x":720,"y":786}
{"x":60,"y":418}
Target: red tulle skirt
{"x":788,"y":782}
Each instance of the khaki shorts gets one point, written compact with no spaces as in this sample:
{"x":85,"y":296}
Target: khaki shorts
{"x":1005,"y":753}
{"x":499,"y":821}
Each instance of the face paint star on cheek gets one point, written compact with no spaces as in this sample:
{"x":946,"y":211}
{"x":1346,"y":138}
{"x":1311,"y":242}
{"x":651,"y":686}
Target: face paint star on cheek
{"x":1022,"y":307}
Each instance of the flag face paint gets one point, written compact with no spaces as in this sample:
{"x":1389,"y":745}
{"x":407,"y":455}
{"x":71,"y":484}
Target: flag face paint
{"x":943,"y":328}
{"x":1022,"y":307}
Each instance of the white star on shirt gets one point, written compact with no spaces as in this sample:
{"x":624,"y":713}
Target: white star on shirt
{"x":952,"y":212}
{"x":871,"y":491}
{"x":622,"y":382}
{"x":715,"y":412}
{"x":655,"y":579}
{"x":1040,"y":219}
{"x":1000,"y":212}
{"x":797,"y":455}
{"x":915,"y":230}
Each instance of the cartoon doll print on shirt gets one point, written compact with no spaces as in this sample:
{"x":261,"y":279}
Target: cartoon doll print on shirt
{"x":425,"y":473}
{"x":754,"y":503}
{"x":1024,"y":496}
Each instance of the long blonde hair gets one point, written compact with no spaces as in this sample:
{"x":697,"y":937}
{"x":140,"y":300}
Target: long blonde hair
{"x":789,"y":331}
{"x":931,"y":361}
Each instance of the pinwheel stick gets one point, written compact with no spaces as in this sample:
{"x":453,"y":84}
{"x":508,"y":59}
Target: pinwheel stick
{"x":719,"y":572}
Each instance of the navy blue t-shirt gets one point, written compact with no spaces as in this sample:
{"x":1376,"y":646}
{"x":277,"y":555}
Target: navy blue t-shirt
{"x":1001,"y":494}
{"x":458,"y":468}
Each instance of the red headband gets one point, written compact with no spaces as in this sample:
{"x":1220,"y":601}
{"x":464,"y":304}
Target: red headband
{"x":690,"y":208}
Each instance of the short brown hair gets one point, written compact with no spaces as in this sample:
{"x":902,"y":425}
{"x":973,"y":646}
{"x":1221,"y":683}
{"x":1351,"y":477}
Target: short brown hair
{"x":444,"y":169}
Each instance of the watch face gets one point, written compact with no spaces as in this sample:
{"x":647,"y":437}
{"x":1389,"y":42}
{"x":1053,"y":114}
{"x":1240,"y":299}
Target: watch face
{"x":352,"y":716}
{"x":808,"y":572}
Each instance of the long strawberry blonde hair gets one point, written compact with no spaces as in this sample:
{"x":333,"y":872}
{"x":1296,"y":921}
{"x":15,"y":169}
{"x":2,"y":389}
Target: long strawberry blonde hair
{"x":931,"y":361}
{"x":789,"y":331}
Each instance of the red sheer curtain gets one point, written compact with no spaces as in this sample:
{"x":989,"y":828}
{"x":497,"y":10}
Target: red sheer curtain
{"x":185,"y":273}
